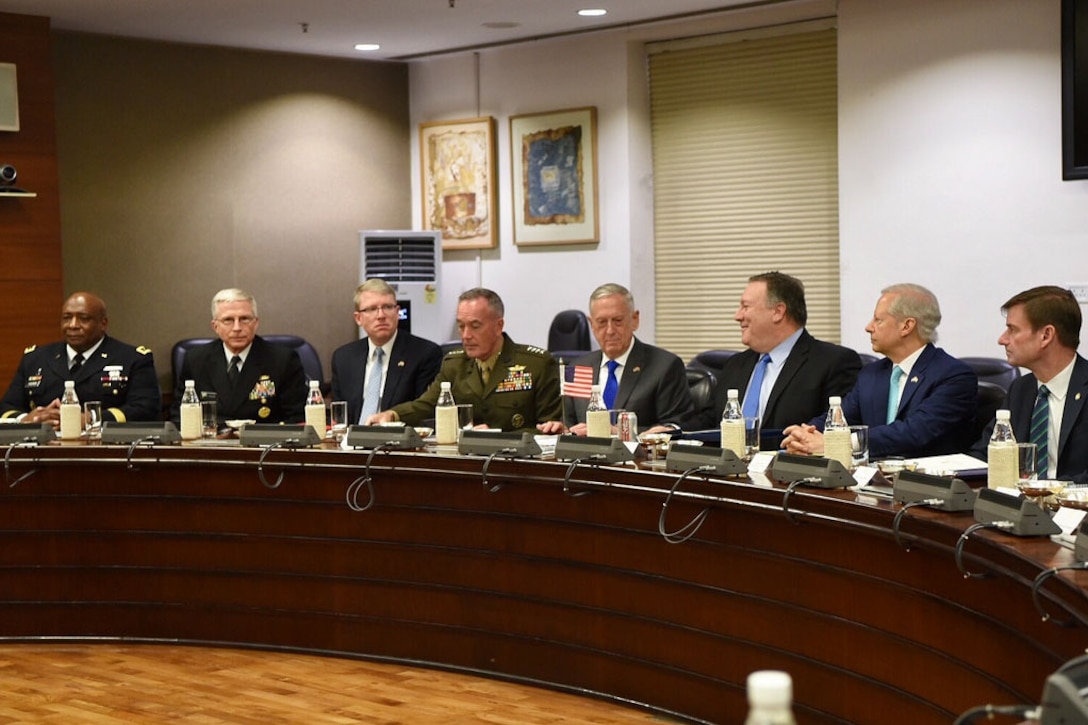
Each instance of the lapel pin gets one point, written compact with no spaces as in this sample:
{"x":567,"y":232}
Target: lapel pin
{"x":1076,"y":397}
{"x":637,"y":369}
{"x":400,"y":363}
{"x":914,"y":379}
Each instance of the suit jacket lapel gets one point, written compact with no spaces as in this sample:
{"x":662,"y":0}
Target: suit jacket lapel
{"x":1074,"y":401}
{"x":916,"y":378}
{"x":632,"y":372}
{"x":797,"y":357}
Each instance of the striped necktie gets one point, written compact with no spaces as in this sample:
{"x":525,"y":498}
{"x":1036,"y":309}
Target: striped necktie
{"x":372,"y":394}
{"x":1040,"y":429}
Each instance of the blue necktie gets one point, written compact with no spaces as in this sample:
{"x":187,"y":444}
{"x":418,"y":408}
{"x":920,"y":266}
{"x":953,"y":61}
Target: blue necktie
{"x":1040,"y":428}
{"x":372,"y":394}
{"x":893,"y":394}
{"x":611,"y":386}
{"x":755,"y":387}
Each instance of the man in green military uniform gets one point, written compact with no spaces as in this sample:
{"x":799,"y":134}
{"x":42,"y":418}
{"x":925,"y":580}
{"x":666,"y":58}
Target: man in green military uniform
{"x":511,"y":387}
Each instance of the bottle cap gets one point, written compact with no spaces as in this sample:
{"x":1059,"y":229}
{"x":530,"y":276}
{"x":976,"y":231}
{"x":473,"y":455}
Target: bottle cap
{"x":596,"y":388}
{"x":1003,"y":414}
{"x":69,"y":383}
{"x":770,"y":688}
{"x":834,"y":400}
{"x":314,"y":383}
{"x":445,"y":385}
{"x":190,"y":383}
{"x":732,"y":393}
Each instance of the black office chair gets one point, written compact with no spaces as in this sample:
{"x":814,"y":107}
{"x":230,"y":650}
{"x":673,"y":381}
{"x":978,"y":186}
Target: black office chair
{"x":311,"y":361}
{"x":711,"y":360}
{"x":993,"y":370}
{"x":990,"y":397}
{"x":450,"y":345}
{"x":866,"y":358}
{"x":701,"y":383}
{"x":568,"y":336}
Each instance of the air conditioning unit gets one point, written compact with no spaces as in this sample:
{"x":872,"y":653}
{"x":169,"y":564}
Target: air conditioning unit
{"x":412,"y":263}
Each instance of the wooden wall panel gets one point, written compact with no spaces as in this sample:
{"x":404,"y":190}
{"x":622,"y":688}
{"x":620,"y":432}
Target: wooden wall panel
{"x":31,"y":285}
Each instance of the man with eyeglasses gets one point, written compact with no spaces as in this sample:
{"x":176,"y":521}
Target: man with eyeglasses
{"x":387,"y":366}
{"x":252,"y":379}
{"x":121,"y":376}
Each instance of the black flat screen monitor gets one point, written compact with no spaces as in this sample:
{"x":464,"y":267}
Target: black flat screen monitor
{"x":1074,"y":89}
{"x":405,"y":323}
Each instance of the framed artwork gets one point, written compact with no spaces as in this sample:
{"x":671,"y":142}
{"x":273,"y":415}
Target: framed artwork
{"x":458,"y":176}
{"x":554,"y":169}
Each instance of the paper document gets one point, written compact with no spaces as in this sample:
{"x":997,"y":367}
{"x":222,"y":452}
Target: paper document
{"x":953,"y":463}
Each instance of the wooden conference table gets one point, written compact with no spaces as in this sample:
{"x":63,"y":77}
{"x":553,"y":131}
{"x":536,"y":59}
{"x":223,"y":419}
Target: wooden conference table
{"x":532,"y":582}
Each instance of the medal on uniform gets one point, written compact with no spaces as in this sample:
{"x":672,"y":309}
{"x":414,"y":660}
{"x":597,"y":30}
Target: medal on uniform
{"x":518,"y":421}
{"x":264,"y":412}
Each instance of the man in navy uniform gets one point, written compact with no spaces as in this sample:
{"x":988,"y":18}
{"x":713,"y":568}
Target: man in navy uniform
{"x":252,"y":379}
{"x":388,"y":366}
{"x":511,"y":387}
{"x":121,"y":376}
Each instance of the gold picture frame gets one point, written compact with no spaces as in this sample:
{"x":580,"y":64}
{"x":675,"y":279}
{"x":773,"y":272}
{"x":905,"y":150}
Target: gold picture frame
{"x":458,"y":177}
{"x":554,"y":169}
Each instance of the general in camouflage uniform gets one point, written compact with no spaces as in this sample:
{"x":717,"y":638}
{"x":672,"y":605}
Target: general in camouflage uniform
{"x":522,"y":389}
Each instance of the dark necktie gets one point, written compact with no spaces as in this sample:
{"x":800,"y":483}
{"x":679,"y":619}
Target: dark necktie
{"x":235,"y":368}
{"x":1040,"y":427}
{"x":77,"y":363}
{"x":611,"y":385}
{"x":755,"y":387}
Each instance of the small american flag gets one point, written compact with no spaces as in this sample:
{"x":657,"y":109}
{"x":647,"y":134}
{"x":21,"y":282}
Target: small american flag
{"x":577,"y":381}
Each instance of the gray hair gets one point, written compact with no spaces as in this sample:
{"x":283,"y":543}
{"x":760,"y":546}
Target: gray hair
{"x":232,"y":294}
{"x":376,"y":285}
{"x":914,"y":300}
{"x":609,"y":289}
{"x":494,"y":302}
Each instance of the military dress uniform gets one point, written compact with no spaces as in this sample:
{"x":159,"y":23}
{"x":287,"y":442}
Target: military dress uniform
{"x":521,"y":391}
{"x":121,"y":376}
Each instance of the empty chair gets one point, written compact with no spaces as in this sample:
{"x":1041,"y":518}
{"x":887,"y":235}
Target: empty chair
{"x":701,"y":383}
{"x":990,"y":397}
{"x":711,"y":360}
{"x":568,"y":336}
{"x":993,"y":370}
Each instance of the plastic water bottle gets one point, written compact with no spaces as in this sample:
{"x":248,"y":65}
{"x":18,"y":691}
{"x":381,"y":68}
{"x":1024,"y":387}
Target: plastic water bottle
{"x":315,"y":408}
{"x":837,"y":443}
{"x":1002,"y":454}
{"x":770,"y":698}
{"x":445,"y":417}
{"x":598,"y":419}
{"x":191,"y":424}
{"x":732,"y":426}
{"x":71,"y":417}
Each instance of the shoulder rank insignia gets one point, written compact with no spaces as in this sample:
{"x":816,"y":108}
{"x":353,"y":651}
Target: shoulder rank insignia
{"x":143,"y":350}
{"x":28,"y":350}
{"x":535,"y":349}
{"x":456,"y":352}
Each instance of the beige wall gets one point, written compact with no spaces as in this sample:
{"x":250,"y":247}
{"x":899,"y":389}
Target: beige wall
{"x":187,"y":169}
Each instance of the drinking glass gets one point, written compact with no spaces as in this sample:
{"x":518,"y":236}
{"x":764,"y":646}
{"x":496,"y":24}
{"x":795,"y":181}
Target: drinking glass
{"x":1026,"y":454}
{"x":92,"y":420}
{"x":751,"y":436}
{"x":209,"y":415}
{"x":338,"y":418}
{"x":859,"y":441}
{"x":464,"y":417}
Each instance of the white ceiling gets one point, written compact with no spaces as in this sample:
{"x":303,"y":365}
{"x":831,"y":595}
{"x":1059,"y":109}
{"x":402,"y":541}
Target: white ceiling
{"x":405,"y":28}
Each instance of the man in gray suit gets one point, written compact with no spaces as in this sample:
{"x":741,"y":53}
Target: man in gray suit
{"x":637,"y":377}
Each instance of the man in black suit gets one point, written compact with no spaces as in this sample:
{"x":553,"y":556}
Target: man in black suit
{"x":648,"y":380}
{"x":387,"y":367}
{"x":252,"y":379}
{"x":799,"y":373}
{"x":121,"y":376}
{"x":1042,"y":333}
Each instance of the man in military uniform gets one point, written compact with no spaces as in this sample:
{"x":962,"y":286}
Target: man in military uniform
{"x":121,"y":376}
{"x":511,"y":387}
{"x":252,"y":379}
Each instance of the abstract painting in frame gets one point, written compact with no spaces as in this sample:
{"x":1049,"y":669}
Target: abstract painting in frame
{"x":458,"y":177}
{"x":554,"y":168}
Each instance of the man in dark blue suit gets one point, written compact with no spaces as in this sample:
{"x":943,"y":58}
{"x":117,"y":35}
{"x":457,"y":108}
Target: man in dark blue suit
{"x":799,"y":372}
{"x":918,"y":400}
{"x":1042,"y":333}
{"x":387,"y":367}
{"x":647,"y":380}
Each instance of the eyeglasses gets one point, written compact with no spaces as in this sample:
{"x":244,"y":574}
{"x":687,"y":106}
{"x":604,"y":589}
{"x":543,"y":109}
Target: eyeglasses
{"x":232,"y":321}
{"x":371,"y":311}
